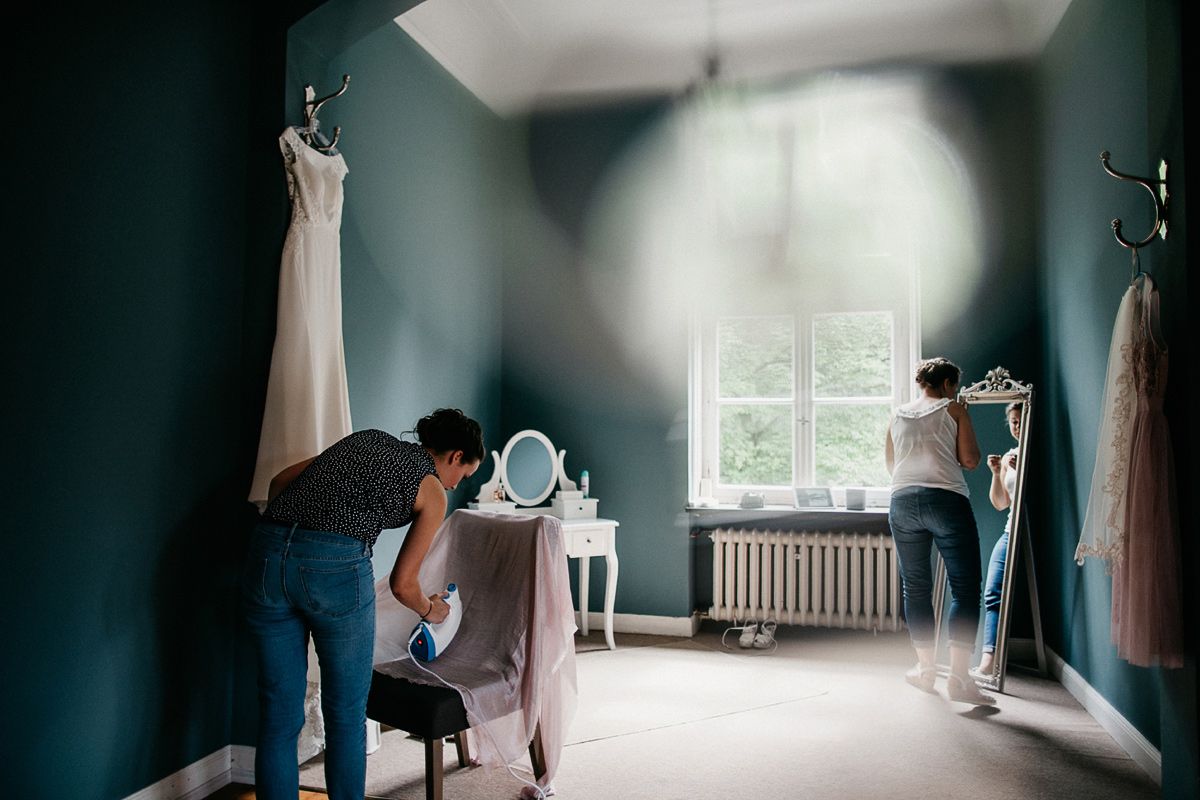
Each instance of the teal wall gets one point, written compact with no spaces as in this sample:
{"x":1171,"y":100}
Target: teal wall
{"x":565,"y":375}
{"x":126,"y":397}
{"x":149,"y":228}
{"x":422,"y":238}
{"x":1110,"y":79}
{"x":994,"y":130}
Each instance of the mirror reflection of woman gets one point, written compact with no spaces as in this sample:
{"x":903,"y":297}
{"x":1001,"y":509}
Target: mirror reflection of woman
{"x":1001,"y":493}
{"x":930,"y":441}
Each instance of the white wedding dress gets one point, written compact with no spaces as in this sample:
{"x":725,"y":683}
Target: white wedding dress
{"x":308,"y":405}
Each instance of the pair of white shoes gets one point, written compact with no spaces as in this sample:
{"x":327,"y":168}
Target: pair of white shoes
{"x":957,"y":689}
{"x":758,"y":636}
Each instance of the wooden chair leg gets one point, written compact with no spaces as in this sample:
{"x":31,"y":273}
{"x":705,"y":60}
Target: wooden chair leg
{"x":433,"y":768}
{"x":464,"y":751}
{"x":537,"y":754}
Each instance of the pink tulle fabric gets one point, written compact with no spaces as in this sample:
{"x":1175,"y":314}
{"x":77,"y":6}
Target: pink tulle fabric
{"x":513,"y":658}
{"x":1146,"y":611}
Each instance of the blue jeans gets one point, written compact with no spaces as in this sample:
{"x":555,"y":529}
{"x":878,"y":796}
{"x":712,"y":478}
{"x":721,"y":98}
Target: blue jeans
{"x":295,"y":583}
{"x":991,"y":593}
{"x":920,"y":518}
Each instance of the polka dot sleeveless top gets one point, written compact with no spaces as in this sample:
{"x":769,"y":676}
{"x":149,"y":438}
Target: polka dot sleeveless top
{"x":361,"y":485}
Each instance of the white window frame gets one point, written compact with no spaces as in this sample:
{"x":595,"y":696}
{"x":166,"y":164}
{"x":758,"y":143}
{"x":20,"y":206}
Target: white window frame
{"x":704,"y":404}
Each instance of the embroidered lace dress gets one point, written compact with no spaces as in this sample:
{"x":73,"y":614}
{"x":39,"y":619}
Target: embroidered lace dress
{"x":1138,"y":532}
{"x":308,"y":405}
{"x":1104,"y":522}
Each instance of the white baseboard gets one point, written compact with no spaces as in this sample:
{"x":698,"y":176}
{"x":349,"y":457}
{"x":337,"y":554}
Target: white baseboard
{"x":645,"y":623}
{"x":197,"y":780}
{"x":241,"y":764}
{"x":1146,"y":755}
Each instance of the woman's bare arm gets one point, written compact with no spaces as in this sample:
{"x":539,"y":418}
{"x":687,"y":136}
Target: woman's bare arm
{"x":889,"y":451}
{"x":965,"y":443}
{"x":428,"y":512}
{"x":997,"y":493}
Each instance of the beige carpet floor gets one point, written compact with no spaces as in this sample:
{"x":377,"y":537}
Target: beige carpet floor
{"x":826,"y":715}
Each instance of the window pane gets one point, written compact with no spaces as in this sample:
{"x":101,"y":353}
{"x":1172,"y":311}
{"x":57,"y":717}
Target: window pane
{"x":849,"y":445}
{"x":755,"y":357}
{"x":852,"y":355}
{"x":756,"y":445}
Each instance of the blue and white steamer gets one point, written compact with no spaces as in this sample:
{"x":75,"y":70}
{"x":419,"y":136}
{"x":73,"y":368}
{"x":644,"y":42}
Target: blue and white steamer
{"x":430,"y":640}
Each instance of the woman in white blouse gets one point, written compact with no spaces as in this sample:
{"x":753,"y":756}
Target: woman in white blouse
{"x":930,"y":441}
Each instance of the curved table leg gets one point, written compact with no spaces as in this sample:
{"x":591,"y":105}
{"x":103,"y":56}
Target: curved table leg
{"x":610,"y":594}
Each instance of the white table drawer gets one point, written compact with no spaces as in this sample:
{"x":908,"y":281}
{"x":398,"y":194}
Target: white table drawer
{"x":586,"y":541}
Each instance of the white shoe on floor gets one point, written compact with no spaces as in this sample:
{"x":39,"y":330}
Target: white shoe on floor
{"x":765,"y":638}
{"x":981,"y":676}
{"x":921,"y":677}
{"x":965,"y":691}
{"x":748,"y":634}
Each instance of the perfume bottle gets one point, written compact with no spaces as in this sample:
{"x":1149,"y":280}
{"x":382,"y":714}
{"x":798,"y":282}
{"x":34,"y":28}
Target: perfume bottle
{"x":583,"y":483}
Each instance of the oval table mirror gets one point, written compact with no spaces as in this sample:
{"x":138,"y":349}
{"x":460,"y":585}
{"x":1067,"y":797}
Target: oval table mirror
{"x":525,"y":473}
{"x":528,"y":468}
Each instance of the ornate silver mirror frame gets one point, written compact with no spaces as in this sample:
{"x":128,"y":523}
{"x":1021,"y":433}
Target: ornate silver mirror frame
{"x":998,"y":387}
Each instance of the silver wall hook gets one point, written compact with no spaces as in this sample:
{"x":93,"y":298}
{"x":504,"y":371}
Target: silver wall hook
{"x":312,"y":106}
{"x":1158,"y":190}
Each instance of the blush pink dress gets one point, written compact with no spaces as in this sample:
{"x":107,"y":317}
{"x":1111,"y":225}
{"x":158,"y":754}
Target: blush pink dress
{"x":1131,"y":521}
{"x":1146,"y":611}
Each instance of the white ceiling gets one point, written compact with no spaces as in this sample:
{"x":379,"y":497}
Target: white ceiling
{"x":515,"y":55}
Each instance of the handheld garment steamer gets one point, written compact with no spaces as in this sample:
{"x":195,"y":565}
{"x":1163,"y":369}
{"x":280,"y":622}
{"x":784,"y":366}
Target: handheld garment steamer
{"x":430,"y":639}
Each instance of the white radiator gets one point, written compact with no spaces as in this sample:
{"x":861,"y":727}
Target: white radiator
{"x":828,"y":580}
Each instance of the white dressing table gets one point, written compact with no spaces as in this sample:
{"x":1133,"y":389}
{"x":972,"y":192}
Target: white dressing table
{"x":584,"y":538}
{"x":531,"y":453}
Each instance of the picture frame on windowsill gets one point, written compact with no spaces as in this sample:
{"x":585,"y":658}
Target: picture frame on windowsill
{"x":813,"y":497}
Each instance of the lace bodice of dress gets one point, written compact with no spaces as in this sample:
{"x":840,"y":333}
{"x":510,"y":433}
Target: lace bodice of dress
{"x":314,"y":181}
{"x":1146,"y":353}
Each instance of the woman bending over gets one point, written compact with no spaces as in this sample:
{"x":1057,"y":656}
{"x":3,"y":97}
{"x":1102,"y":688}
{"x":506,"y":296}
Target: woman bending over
{"x":309,"y":572}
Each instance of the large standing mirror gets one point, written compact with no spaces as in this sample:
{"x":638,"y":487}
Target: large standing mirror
{"x":997,"y":401}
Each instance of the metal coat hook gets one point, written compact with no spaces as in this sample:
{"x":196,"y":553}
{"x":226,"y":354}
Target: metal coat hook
{"x":312,"y":107}
{"x":1158,"y":190}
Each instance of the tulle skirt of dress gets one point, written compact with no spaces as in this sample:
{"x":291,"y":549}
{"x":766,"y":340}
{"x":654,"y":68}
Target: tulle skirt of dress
{"x":1146,"y":612}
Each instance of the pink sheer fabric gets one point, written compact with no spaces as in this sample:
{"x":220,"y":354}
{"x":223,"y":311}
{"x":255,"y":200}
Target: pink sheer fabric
{"x":1146,"y":612}
{"x":513,"y":659}
{"x":1131,"y":521}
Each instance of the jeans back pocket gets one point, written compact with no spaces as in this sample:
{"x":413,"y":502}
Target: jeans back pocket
{"x":333,"y":591}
